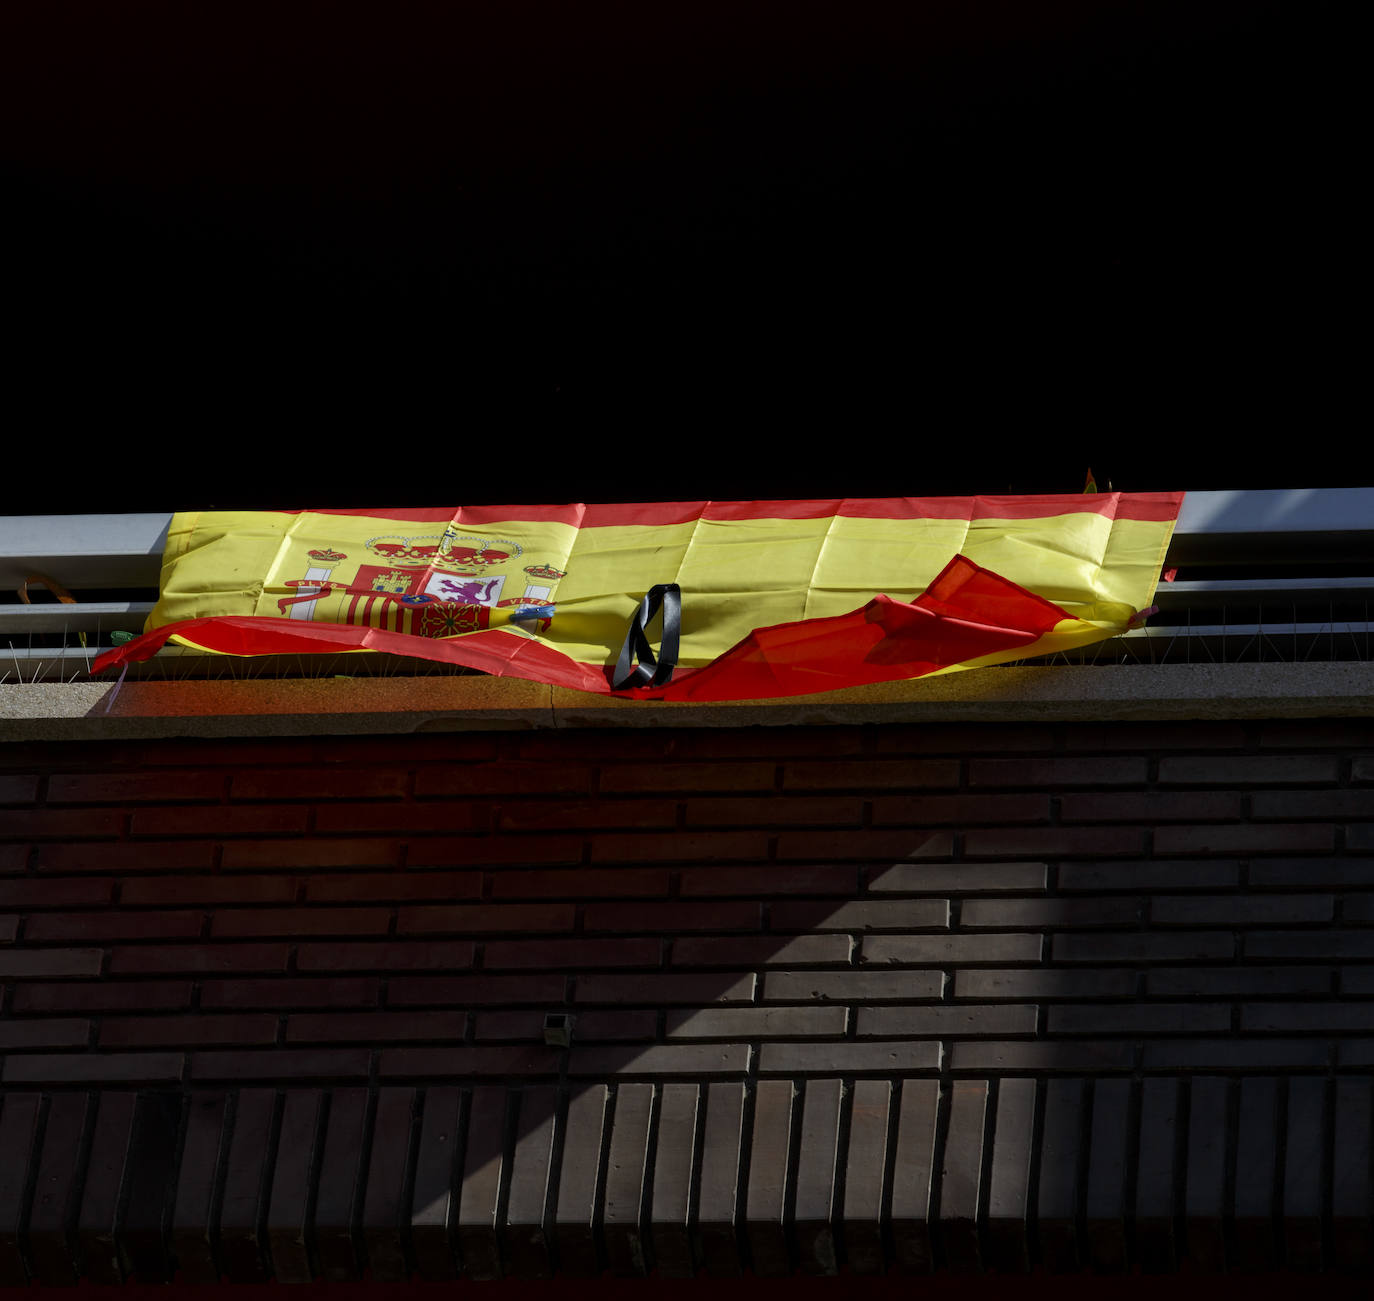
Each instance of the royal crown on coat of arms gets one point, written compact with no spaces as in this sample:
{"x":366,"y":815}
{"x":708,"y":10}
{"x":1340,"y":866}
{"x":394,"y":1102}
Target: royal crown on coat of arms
{"x":445,"y":552}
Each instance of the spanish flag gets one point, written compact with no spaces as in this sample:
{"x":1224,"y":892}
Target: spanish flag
{"x":776,"y":598}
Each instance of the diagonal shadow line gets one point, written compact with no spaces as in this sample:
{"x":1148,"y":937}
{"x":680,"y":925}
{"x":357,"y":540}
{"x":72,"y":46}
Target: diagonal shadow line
{"x":595,"y":1212}
{"x":479,"y":1204}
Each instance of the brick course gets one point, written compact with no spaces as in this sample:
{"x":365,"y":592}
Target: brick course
{"x":979,"y":998}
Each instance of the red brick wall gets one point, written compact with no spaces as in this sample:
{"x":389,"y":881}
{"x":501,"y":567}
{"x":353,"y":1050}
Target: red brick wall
{"x":964,"y":997}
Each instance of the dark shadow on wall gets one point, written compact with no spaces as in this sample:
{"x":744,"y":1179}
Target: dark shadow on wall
{"x":1044,"y":1072}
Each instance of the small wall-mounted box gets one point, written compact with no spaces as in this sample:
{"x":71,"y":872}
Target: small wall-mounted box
{"x":558,"y":1028}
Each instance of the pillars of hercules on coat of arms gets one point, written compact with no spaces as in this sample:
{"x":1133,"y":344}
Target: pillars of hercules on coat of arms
{"x":315,"y":582}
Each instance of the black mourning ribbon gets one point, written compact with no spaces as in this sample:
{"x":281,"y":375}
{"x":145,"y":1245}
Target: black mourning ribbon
{"x":652,"y":670}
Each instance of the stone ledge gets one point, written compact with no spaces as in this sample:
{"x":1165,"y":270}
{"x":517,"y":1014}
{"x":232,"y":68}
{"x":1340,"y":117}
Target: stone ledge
{"x":344,"y":706}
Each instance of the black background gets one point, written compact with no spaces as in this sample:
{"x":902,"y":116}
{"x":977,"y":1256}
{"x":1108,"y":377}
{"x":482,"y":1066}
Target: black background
{"x":419,"y":253}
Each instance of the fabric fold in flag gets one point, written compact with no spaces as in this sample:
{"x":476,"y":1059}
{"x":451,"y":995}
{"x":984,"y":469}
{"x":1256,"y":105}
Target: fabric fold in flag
{"x":778,"y":598}
{"x":966,"y":613}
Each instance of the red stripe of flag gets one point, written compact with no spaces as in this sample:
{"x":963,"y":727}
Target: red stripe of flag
{"x":1151,"y":507}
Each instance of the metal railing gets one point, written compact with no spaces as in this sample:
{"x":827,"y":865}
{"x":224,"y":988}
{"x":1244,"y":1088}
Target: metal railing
{"x":1260,"y":575}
